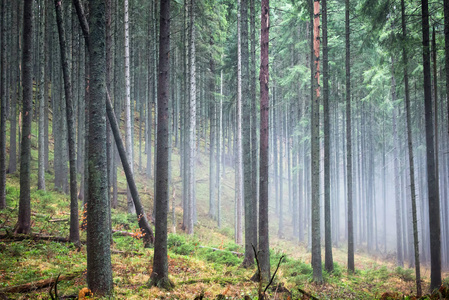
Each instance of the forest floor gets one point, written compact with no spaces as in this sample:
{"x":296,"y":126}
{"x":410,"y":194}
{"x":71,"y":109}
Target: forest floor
{"x":197,"y":270}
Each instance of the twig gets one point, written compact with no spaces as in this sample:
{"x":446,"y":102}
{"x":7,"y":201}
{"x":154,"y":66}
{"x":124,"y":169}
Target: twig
{"x":274,"y":274}
{"x":308,"y":294}
{"x":260,"y":274}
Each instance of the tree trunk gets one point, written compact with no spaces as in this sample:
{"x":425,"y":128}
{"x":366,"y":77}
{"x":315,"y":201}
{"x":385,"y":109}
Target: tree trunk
{"x":315,"y":148}
{"x":159,"y":277}
{"x":348,"y":144}
{"x":432,"y":184}
{"x":74,"y":225}
{"x":41,"y":148}
{"x":410,"y":153}
{"x":3,"y":109}
{"x":99,"y":270}
{"x":329,"y":264}
{"x":24,"y":221}
{"x":128,"y":116}
{"x":192,"y":121}
{"x":264,"y":254}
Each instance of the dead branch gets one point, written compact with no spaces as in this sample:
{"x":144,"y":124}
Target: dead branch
{"x":216,"y":249}
{"x":40,"y":284}
{"x":307,"y":294}
{"x":35,"y":236}
{"x":274,"y":274}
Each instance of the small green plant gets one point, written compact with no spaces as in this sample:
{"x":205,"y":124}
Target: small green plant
{"x":405,"y":274}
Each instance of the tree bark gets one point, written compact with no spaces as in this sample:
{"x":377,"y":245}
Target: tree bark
{"x":329,"y":264}
{"x":99,"y":269}
{"x":348,"y":144}
{"x":315,"y":148}
{"x":264,"y":254}
{"x":3,"y":109}
{"x":74,"y":224}
{"x":159,"y":277}
{"x":24,"y":221}
{"x":410,"y":153}
{"x":432,"y":185}
{"x":41,"y":141}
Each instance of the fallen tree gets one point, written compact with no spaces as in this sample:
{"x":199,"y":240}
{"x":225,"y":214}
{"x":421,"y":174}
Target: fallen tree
{"x":36,"y":285}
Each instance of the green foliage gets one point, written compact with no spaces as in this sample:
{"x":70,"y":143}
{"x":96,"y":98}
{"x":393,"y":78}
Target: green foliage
{"x":179,"y":245}
{"x":405,"y":274}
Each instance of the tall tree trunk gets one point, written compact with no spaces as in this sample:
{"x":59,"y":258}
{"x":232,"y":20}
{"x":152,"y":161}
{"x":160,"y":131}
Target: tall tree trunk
{"x":329,"y":264}
{"x":192,"y":120}
{"x":315,"y":148}
{"x":128,"y":116}
{"x":41,"y":148}
{"x":24,"y":220}
{"x":159,"y":277}
{"x":349,"y":144}
{"x":3,"y":109}
{"x":238,"y":155}
{"x":246,"y":135}
{"x":446,"y":51}
{"x":432,"y":184}
{"x":212,"y":139}
{"x":410,"y":152}
{"x":254,"y":147}
{"x":264,"y":254}
{"x":99,"y":270}
{"x":74,"y":226}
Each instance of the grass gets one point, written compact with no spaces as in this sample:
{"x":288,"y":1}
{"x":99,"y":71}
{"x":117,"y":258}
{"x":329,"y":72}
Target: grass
{"x":194,"y":269}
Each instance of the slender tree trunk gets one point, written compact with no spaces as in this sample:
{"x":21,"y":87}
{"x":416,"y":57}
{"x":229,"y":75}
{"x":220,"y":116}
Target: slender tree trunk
{"x":3,"y":108}
{"x":432,"y":184}
{"x":446,"y":51}
{"x":74,"y":226}
{"x":41,"y":148}
{"x":24,"y":221}
{"x":159,"y":277}
{"x":329,"y":264}
{"x":254,"y":152}
{"x":128,"y":116}
{"x":212,"y":138}
{"x":315,"y":148}
{"x":349,"y":144}
{"x":192,"y":120}
{"x":410,"y":153}
{"x":264,"y":254}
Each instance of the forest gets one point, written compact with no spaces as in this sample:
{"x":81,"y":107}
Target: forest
{"x":219,"y":149}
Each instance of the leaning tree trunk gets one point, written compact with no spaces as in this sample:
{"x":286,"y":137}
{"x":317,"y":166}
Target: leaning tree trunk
{"x":74,"y":226}
{"x":432,"y":185}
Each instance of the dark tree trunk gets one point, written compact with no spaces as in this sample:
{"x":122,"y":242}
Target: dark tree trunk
{"x":3,"y":109}
{"x":74,"y":226}
{"x":329,"y":264}
{"x":432,"y":185}
{"x":24,"y":222}
{"x":99,"y":269}
{"x":41,"y":141}
{"x":264,"y":254}
{"x":348,"y":144}
{"x":159,"y":277}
